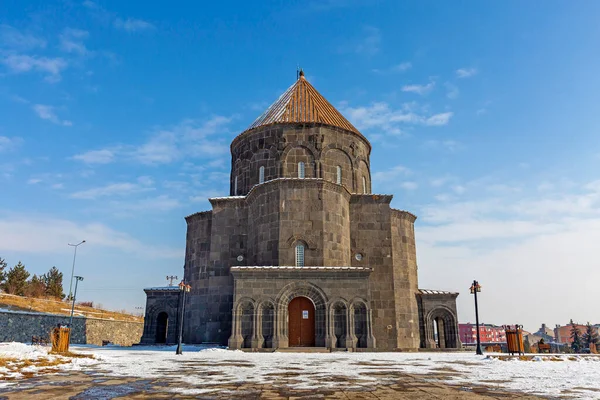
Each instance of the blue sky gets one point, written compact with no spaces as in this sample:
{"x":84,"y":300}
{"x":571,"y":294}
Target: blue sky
{"x":116,"y":117}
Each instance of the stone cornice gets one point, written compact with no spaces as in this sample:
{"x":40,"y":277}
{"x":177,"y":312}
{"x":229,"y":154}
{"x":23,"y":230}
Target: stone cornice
{"x":371,"y":198}
{"x":199,"y":213}
{"x":404,"y":215}
{"x":296,"y":183}
{"x":296,"y":125}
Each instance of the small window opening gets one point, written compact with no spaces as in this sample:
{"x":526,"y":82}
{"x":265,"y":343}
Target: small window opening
{"x":300,"y":169}
{"x":299,"y":255}
{"x":338,"y":175}
{"x":261,"y":174}
{"x":364,"y":185}
{"x":235,"y":186}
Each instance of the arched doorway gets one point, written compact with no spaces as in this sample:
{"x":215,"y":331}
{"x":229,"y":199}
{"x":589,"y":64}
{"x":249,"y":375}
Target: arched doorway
{"x":301,"y":322}
{"x":162,"y":324}
{"x":442,"y":332}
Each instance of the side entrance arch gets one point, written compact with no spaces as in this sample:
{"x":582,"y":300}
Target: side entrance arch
{"x":301,"y":322}
{"x":162,"y":324}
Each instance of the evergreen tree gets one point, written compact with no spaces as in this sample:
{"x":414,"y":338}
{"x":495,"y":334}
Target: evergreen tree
{"x":2,"y":272}
{"x":16,"y":280}
{"x":53,"y":281}
{"x":590,"y":336}
{"x":576,"y":343}
{"x":35,"y":287}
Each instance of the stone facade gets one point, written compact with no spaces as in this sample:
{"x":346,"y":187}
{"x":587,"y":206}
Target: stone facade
{"x":300,"y":196}
{"x":20,"y":326}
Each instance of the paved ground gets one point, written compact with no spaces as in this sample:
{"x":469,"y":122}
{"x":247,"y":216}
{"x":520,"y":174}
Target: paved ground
{"x":94,"y":385}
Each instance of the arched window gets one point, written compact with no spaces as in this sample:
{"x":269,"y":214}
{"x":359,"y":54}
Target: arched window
{"x":299,"y":255}
{"x":235,"y":186}
{"x":300,"y":169}
{"x":364,"y":185}
{"x":338,"y":175}
{"x":261,"y":174}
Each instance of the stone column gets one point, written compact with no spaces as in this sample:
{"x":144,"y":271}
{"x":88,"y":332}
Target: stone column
{"x":257,"y":337}
{"x":371,"y":344}
{"x":330,"y":338}
{"x":236,"y":340}
{"x":350,"y":339}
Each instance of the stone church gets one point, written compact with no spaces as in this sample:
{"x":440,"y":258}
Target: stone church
{"x":302,"y":253}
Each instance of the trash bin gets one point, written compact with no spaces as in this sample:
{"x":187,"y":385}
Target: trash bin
{"x":514,"y":339}
{"x":60,"y":339}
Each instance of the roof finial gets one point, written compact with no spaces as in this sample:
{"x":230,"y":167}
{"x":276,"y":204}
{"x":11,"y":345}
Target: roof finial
{"x":301,"y":73}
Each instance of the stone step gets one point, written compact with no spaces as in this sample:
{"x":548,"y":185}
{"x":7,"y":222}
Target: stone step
{"x":303,"y":350}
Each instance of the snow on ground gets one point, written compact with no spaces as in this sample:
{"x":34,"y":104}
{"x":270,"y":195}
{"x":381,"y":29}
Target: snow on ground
{"x":19,"y":360}
{"x":207,"y":369}
{"x":204,"y":368}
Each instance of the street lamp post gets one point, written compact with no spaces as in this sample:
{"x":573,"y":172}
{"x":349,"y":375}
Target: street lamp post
{"x":73,"y":269}
{"x":77,"y":279}
{"x":475,"y":288}
{"x":183,"y":289}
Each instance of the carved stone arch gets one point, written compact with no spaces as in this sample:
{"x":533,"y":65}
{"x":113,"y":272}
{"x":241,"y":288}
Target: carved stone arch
{"x":335,"y":146}
{"x":363,"y":169}
{"x":319,"y":299}
{"x":446,"y":321}
{"x":290,"y":159}
{"x":294,"y":239}
{"x":332,"y":156}
{"x":339,"y":324}
{"x":242,"y":301}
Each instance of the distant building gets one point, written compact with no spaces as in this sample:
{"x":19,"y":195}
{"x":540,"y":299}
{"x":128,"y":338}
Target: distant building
{"x":487,"y":333}
{"x":562,"y":334}
{"x":545,"y":333}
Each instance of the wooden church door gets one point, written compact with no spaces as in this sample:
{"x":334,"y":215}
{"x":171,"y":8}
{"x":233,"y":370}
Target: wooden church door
{"x":301,"y":329}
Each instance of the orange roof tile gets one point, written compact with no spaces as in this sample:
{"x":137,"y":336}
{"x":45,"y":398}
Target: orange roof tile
{"x":302,"y":103}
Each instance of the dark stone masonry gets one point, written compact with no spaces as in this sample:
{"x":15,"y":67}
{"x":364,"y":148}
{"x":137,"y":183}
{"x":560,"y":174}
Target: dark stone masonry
{"x":302,"y":253}
{"x":20,"y":326}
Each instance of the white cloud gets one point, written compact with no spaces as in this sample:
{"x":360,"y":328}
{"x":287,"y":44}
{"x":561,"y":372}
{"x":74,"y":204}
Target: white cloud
{"x":409,"y":185}
{"x":380,"y":116}
{"x":104,"y":156}
{"x":50,"y":235}
{"x":419,"y":89}
{"x":391,"y":174}
{"x":551,"y":236}
{"x":189,"y":139}
{"x":133,"y":25}
{"x":47,"y":112}
{"x":439,"y":119}
{"x":465,"y":72}
{"x":71,"y":41}
{"x":34,"y":181}
{"x":402,"y":67}
{"x":452,"y":91}
{"x":19,"y":63}
{"x":9,"y":143}
{"x":369,"y":43}
{"x":113,"y":189}
{"x":450,"y":145}
{"x":12,"y":38}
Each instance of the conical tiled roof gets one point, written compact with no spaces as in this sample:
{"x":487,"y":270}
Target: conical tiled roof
{"x":302,"y":103}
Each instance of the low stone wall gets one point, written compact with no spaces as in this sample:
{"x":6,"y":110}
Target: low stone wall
{"x":18,"y":326}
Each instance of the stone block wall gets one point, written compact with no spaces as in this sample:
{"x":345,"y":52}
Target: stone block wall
{"x":405,"y":278}
{"x":21,"y":326}
{"x":279,"y":149}
{"x":370,"y":233}
{"x":161,"y":300}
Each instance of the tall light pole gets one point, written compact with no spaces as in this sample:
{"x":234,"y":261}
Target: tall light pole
{"x":73,"y":269}
{"x":476,"y":288}
{"x":77,"y":279}
{"x":183,"y":289}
